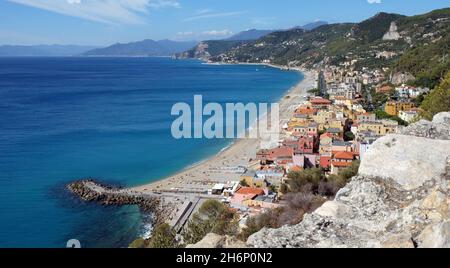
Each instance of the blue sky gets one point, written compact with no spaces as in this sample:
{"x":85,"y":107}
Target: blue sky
{"x":102,"y":22}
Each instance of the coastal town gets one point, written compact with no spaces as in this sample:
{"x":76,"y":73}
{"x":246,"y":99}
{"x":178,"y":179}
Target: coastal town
{"x":327,"y":122}
{"x":329,"y":128}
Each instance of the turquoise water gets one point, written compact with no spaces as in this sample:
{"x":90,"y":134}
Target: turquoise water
{"x":63,"y":119}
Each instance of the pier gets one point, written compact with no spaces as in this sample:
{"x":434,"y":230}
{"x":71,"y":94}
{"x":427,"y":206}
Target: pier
{"x":174,"y":208}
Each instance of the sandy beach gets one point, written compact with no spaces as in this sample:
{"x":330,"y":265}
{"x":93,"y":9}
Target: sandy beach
{"x":225,"y":166}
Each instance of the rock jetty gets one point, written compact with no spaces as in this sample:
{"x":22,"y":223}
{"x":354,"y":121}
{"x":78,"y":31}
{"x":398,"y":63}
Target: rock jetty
{"x":91,"y":191}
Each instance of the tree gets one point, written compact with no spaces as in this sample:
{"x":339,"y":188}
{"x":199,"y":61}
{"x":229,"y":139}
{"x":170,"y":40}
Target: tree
{"x":163,"y":237}
{"x":306,"y":180}
{"x":212,"y":217}
{"x":438,"y":100}
{"x":284,"y":189}
{"x":344,"y":175}
{"x":349,"y":136}
{"x":244,"y":183}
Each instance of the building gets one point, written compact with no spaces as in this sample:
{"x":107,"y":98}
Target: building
{"x":364,"y":117}
{"x":406,"y":92}
{"x":380,"y":128}
{"x":251,"y":179}
{"x":322,"y":86}
{"x":394,"y":107}
{"x":384,"y":89}
{"x":364,"y":147}
{"x":320,"y":103}
{"x":341,"y":146}
{"x":326,"y":141}
{"x":409,"y":116}
{"x":246,"y":193}
{"x":324,"y":116}
{"x":341,"y":160}
{"x":337,"y":133}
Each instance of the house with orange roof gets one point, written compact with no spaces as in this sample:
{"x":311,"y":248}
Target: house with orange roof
{"x":341,"y":160}
{"x":320,"y":103}
{"x":384,"y":89}
{"x":306,"y":110}
{"x":246,"y":193}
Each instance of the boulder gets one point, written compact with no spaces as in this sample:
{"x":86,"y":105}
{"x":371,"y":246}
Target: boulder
{"x":409,"y":161}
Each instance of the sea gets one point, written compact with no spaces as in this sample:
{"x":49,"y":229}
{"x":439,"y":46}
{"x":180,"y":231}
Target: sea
{"x":69,"y":118}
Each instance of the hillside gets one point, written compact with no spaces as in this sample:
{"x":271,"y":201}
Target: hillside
{"x":252,"y":34}
{"x":143,"y":48}
{"x":207,"y":50}
{"x":414,"y":44}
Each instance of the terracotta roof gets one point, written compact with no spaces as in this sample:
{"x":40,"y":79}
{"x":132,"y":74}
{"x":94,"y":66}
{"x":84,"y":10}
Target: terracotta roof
{"x":282,"y":152}
{"x":250,"y":191}
{"x":344,"y":155}
{"x":296,"y":169}
{"x":341,"y":164}
{"x":320,"y":101}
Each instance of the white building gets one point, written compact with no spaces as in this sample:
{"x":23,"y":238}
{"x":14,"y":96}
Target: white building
{"x":409,"y":116}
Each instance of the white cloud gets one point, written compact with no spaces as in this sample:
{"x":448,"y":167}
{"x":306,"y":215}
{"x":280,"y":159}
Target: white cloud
{"x":218,"y":33}
{"x":204,"y":11}
{"x":374,"y":1}
{"x":105,"y":11}
{"x":204,"y":35}
{"x":214,"y":15}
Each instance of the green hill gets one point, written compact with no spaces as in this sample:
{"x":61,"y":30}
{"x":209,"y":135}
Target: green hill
{"x":419,"y":46}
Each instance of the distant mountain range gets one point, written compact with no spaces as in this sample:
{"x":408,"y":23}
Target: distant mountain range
{"x":43,"y":50}
{"x":313,"y":25}
{"x":146,"y":47}
{"x":252,"y":34}
{"x":212,"y":48}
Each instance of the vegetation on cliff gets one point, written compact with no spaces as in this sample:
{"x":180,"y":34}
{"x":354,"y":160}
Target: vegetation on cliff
{"x":438,"y":100}
{"x":421,"y":49}
{"x":212,"y":217}
{"x":304,"y":192}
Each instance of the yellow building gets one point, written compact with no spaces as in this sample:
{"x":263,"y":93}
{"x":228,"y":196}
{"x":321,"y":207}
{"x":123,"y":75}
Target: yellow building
{"x":252,"y":180}
{"x":393,"y":108}
{"x":324,"y":116}
{"x":379,"y":127}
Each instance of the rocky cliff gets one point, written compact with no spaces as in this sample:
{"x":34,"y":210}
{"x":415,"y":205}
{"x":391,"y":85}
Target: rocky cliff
{"x":400,"y":198}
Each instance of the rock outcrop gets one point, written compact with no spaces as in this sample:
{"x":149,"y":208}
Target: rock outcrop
{"x":401,"y":78}
{"x":399,"y":199}
{"x":392,"y":34}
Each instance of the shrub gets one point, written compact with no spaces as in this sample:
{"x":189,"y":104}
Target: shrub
{"x":163,"y":237}
{"x":212,"y":217}
{"x":306,"y":180}
{"x":438,"y":100}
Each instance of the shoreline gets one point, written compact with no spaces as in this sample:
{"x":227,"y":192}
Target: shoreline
{"x":240,"y":153}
